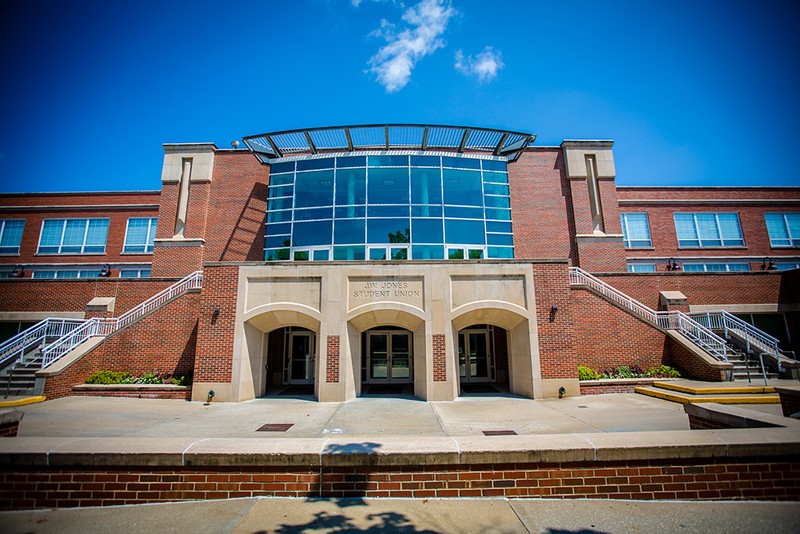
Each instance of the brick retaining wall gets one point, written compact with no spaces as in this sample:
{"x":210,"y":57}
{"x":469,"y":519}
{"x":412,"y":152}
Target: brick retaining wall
{"x":695,"y":479}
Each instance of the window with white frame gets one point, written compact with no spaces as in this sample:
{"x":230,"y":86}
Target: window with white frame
{"x":783,"y":229}
{"x":715,"y":267}
{"x":73,"y":236}
{"x":66,"y":273}
{"x":11,"y":235}
{"x":708,"y":230}
{"x":787,"y":265}
{"x":140,"y":235}
{"x":134,"y":273}
{"x":635,"y":230}
{"x":641,"y":267}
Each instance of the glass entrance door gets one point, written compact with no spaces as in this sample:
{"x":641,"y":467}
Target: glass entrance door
{"x":301,"y":357}
{"x":388,"y":357}
{"x":474,"y":355}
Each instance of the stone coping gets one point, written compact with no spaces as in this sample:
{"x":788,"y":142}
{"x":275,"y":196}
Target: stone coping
{"x":386,"y":451}
{"x":10,"y":416}
{"x":130,"y":387}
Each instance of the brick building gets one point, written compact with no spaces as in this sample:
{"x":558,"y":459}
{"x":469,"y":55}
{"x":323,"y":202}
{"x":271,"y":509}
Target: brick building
{"x":419,"y":259}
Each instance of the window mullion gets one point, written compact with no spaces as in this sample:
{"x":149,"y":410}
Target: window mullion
{"x":697,"y":230}
{"x":85,"y":234}
{"x":719,"y":230}
{"x":63,"y":231}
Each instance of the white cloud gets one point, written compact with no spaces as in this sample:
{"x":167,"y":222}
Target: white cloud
{"x":483,"y":66}
{"x":393,"y":63}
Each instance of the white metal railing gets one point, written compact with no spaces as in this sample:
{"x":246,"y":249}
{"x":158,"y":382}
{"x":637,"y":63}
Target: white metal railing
{"x":104,"y":327}
{"x":754,"y":339}
{"x":671,"y":320}
{"x":14,"y":349}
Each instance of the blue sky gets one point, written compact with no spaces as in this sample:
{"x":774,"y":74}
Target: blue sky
{"x":693,"y":92}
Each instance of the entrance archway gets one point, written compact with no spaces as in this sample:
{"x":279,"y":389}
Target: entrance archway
{"x":388,"y":348}
{"x":281,"y":343}
{"x":494,"y":345}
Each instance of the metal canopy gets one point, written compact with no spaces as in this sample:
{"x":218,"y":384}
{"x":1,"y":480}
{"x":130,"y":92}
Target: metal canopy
{"x":424,"y":137}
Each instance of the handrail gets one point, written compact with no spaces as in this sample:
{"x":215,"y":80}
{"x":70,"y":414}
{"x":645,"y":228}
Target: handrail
{"x":104,"y":327}
{"x":671,"y":320}
{"x":16,"y":346}
{"x":723,"y":320}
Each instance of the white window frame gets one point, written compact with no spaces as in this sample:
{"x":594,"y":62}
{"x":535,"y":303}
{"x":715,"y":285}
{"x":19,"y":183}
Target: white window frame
{"x":626,"y":240}
{"x":633,"y":267}
{"x":2,"y":231}
{"x":63,"y":230}
{"x":794,"y":241}
{"x":148,"y":245}
{"x":727,"y":265}
{"x":719,"y":229}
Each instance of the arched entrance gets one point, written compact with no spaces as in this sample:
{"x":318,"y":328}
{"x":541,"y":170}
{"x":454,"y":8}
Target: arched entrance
{"x":494,"y":349}
{"x":281,"y":344}
{"x":388,"y":351}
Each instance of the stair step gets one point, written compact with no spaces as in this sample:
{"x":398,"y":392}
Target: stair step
{"x":723,"y":398}
{"x":724,"y":390}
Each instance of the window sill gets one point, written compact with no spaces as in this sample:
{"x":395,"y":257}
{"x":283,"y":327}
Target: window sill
{"x":135,"y":253}
{"x":640,"y":248}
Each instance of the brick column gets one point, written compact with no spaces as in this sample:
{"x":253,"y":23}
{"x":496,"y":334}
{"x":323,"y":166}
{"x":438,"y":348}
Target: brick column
{"x":332,"y":365}
{"x":439,"y":359}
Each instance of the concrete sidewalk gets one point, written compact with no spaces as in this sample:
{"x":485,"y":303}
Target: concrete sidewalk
{"x":365,"y":416}
{"x":413,"y":516}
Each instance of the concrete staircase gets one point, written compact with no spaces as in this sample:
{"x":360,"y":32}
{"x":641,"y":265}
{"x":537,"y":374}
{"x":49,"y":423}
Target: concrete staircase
{"x":20,"y":379}
{"x":741,"y":393}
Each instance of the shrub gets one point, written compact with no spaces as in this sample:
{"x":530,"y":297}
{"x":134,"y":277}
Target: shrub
{"x":108,"y":377}
{"x":664,"y":371}
{"x":585,"y":373}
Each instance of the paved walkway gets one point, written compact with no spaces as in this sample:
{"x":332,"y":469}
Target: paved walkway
{"x":413,"y":516}
{"x":365,"y":416}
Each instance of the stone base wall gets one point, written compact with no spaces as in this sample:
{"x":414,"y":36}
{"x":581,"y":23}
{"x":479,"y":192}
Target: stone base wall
{"x":134,"y":391}
{"x":692,"y":479}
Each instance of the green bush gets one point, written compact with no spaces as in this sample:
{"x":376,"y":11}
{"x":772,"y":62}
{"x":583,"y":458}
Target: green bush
{"x":585,"y":373}
{"x":108,"y":377}
{"x":664,"y":371}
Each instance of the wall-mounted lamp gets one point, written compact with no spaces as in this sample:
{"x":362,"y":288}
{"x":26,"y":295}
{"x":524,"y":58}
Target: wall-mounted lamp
{"x":106,"y":272}
{"x":554,"y":308}
{"x":673,"y":265}
{"x":235,"y":144}
{"x":216,"y":311}
{"x":210,"y":396}
{"x":768,"y":265}
{"x":18,"y":272}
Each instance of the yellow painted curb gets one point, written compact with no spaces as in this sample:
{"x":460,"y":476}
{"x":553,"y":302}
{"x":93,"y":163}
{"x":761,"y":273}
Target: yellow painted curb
{"x":683,"y":399}
{"x":22,"y":402}
{"x":725,"y":390}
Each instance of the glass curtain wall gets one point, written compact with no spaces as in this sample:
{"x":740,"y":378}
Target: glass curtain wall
{"x":388,"y":207}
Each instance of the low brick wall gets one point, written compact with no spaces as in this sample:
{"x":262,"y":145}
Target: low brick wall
{"x":718,"y":464}
{"x":710,"y":415}
{"x":615,"y":385}
{"x":134,"y":391}
{"x":702,"y":478}
{"x":790,"y":400}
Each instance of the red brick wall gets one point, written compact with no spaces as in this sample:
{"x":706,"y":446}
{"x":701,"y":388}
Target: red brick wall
{"x":601,"y":256}
{"x":700,"y":288}
{"x":237,"y":207}
{"x":24,"y":487}
{"x":176,"y":394}
{"x":163,"y":341}
{"x":215,"y":334}
{"x":540,"y":205}
{"x":72,"y":295}
{"x":556,"y":351}
{"x":332,"y":366}
{"x":690,"y":365}
{"x":439,"y":359}
{"x":42,"y":206}
{"x":607,"y":337}
{"x":751,"y":216}
{"x":177,"y":261}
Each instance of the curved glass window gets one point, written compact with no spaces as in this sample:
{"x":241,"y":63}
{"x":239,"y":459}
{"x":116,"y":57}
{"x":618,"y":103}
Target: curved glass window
{"x":388,"y":207}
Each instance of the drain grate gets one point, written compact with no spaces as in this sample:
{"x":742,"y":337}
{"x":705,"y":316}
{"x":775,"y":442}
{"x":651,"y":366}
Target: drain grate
{"x":275,"y":427}
{"x":499,"y":433}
